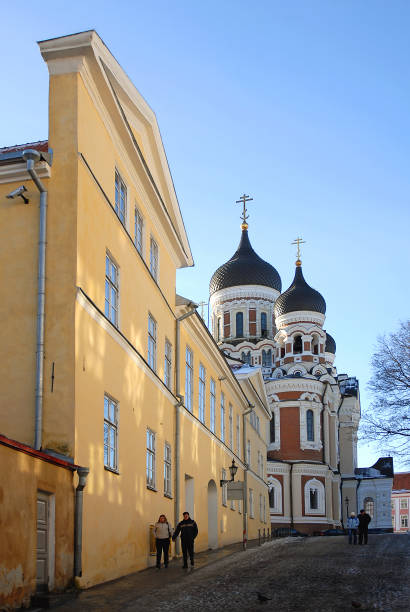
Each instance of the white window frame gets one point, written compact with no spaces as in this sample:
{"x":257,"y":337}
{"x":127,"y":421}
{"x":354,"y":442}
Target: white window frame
{"x":238,"y":435}
{"x":274,"y":483}
{"x":251,"y":505}
{"x":264,"y":508}
{"x":168,"y":364}
{"x":167,"y":470}
{"x":261,"y":507}
{"x":151,"y":458}
{"x":321,"y":498}
{"x":112,"y":288}
{"x":154,"y":259}
{"x":315,"y":444}
{"x":275,"y":409}
{"x":404,"y":520}
{"x":110,"y":426}
{"x":222,"y":416}
{"x":152,"y":342}
{"x":139,"y":231}
{"x":224,"y":489}
{"x":201,"y":393}
{"x":404,"y":503}
{"x":212,"y":404}
{"x":121,"y":192}
{"x":189,"y":378}
{"x":248,"y":453}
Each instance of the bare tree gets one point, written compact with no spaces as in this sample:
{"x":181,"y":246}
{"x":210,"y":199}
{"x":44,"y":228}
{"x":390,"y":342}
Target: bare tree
{"x":387,"y":420}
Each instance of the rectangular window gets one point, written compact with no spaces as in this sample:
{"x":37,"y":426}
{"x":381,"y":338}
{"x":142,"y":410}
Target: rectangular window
{"x":260,"y":507}
{"x":224,"y":489}
{"x":167,"y":470}
{"x":138,"y":231}
{"x":238,"y":435}
{"x":168,"y":363}
{"x":212,"y":406}
{"x":153,"y":259}
{"x":189,"y":378}
{"x":264,"y":509}
{"x":248,"y":453}
{"x":404,"y":520}
{"x":230,"y":426}
{"x":222,"y":417}
{"x":111,"y":290}
{"x":120,"y":197}
{"x":152,"y":343}
{"x":110,"y":433}
{"x":404,"y":503}
{"x":251,"y":508}
{"x":150,"y":459}
{"x":201,"y":393}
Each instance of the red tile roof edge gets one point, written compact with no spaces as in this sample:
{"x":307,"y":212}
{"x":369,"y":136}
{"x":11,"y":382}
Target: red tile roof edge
{"x":401,"y":480}
{"x":28,"y":450}
{"x":39,"y":145}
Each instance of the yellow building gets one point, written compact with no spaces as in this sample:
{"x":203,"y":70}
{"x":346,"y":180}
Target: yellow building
{"x":102,"y":364}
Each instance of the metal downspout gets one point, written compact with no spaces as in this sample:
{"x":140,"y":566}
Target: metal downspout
{"x":245,"y":479}
{"x":31,"y":156}
{"x":180,"y":403}
{"x":78,"y":521}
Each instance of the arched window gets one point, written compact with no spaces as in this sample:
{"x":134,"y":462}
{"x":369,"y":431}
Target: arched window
{"x":275,"y":495}
{"x":272,"y":497}
{"x":246,"y":357}
{"x":239,"y":324}
{"x":314,"y":497}
{"x":310,"y":432}
{"x":297,"y":344}
{"x":369,"y":506}
{"x":267,"y":358}
{"x":314,"y":501}
{"x":272,"y":429}
{"x":315,"y":345}
{"x":264,"y":324}
{"x":219,"y":329}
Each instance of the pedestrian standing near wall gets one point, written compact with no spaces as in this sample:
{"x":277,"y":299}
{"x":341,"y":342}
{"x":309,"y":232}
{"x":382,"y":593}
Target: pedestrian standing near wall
{"x":364,"y":520}
{"x":188,"y":530}
{"x":352,"y":525}
{"x":163,"y":532}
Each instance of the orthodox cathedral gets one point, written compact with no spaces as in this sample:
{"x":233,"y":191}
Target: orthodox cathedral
{"x":311,"y":463}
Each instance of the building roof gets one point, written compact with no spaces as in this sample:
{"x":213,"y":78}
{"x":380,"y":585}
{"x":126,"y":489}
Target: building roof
{"x":330,"y":346}
{"x":383,"y":468}
{"x":245,"y":268}
{"x":299,"y":296}
{"x":39,"y":145}
{"x":401,"y":481}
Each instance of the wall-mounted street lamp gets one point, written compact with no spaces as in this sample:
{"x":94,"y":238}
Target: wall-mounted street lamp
{"x":233,"y":469}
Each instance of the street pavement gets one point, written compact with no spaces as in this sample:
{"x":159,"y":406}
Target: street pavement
{"x":290,"y":574}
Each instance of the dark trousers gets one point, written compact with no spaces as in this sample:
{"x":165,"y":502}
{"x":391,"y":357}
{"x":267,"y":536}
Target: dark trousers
{"x":162,"y":545}
{"x":188,"y":549}
{"x":363,"y":535}
{"x":352,"y":536}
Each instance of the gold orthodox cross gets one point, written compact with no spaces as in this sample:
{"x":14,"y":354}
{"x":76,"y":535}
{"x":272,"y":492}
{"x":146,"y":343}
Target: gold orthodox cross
{"x":299,"y":241}
{"x":242,"y":200}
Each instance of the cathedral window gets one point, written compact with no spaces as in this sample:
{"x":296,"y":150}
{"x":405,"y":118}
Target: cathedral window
{"x":239,"y":324}
{"x":314,"y":497}
{"x":246,"y":357}
{"x":264,"y":325}
{"x":267,"y":358}
{"x":310,"y":431}
{"x":272,"y":429}
{"x":219,"y":329}
{"x":315,"y":345}
{"x":275,"y":495}
{"x":297,"y":344}
{"x":313,"y":493}
{"x":282,"y":352}
{"x":369,"y":506}
{"x":272,"y":497}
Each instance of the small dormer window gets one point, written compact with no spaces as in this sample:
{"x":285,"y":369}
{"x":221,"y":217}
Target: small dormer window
{"x":297,"y":345}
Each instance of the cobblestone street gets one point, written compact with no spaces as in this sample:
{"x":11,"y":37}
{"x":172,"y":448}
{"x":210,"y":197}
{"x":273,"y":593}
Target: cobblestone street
{"x":310,"y":574}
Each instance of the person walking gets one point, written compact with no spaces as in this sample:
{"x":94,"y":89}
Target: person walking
{"x":188,"y":530}
{"x":352,"y":525}
{"x":163,"y":532}
{"x":364,"y":520}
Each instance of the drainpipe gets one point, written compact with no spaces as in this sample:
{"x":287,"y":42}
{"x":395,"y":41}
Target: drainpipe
{"x":178,"y":405}
{"x":31,"y":156}
{"x":245,"y":477}
{"x":78,"y":520}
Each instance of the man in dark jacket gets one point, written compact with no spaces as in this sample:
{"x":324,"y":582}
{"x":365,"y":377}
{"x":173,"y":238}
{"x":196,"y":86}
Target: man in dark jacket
{"x":188,"y":530}
{"x":364,"y":520}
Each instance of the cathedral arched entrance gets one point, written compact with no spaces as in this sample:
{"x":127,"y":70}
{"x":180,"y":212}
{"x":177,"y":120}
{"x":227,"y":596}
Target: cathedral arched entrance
{"x":212,"y":515}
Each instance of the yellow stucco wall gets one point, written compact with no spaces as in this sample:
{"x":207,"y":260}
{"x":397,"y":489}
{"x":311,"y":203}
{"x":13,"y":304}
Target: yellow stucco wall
{"x":18,"y":516}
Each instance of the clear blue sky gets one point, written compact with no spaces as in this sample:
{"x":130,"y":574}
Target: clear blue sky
{"x":304,"y":105}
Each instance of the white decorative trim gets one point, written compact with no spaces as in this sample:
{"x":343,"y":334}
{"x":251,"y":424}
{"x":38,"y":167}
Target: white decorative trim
{"x":275,"y":409}
{"x":296,"y":384}
{"x":277,"y":468}
{"x":316,"y":408}
{"x":274,"y":484}
{"x":300,"y":367}
{"x":300,"y":315}
{"x":17,"y":172}
{"x":321,"y":505}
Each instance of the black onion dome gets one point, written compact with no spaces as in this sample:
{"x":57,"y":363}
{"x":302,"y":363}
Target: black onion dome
{"x":245,"y":268}
{"x":330,"y":346}
{"x":299,"y":296}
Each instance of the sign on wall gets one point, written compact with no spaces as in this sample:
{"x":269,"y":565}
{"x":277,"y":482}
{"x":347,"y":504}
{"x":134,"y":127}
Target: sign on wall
{"x":235,"y":490}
